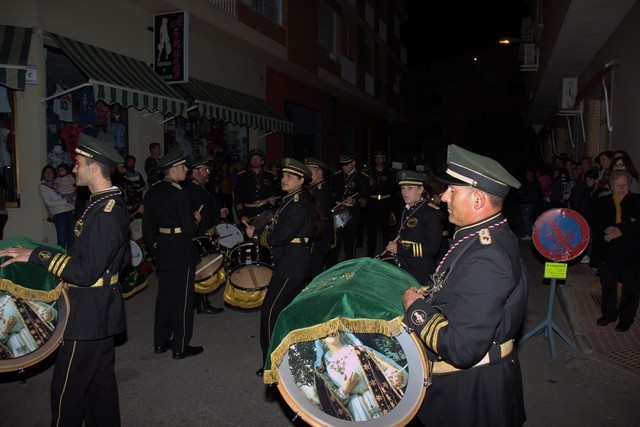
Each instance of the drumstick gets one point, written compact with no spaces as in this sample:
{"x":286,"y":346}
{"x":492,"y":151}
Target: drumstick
{"x":253,"y":277}
{"x":246,"y":223}
{"x":198,"y":271}
{"x":344,"y":201}
{"x":385,"y":251}
{"x":200,"y":208}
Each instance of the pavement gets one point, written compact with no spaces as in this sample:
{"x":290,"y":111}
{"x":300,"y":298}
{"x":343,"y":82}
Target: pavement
{"x":595,"y":385}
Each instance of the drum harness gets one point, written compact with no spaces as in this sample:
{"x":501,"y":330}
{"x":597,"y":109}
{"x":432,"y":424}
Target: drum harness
{"x":496,"y":351}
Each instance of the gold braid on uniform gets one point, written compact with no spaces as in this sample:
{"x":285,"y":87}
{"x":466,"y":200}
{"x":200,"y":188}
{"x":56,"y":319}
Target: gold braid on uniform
{"x":429,"y":333}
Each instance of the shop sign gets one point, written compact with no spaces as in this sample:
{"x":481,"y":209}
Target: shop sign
{"x":171,"y":46}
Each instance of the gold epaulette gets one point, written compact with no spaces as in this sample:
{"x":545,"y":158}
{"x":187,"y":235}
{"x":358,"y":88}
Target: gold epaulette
{"x":110,"y":204}
{"x":175,"y":184}
{"x":433,"y":206}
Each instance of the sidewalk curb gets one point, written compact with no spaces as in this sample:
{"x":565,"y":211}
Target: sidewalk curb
{"x":570,"y":310}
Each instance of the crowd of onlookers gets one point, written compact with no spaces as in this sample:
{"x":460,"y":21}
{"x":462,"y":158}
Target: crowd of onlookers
{"x":606,"y":192}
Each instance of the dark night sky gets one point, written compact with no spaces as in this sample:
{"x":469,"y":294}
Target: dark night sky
{"x":443,"y":28}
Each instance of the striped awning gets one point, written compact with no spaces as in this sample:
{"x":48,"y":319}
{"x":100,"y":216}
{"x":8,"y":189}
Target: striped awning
{"x":14,"y":52}
{"x":219,"y":103}
{"x":118,"y":78}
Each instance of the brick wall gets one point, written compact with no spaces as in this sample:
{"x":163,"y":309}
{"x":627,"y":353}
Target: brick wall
{"x":260,"y":23}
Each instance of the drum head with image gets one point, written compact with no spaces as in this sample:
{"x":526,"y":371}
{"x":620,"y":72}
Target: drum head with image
{"x":389,"y":374}
{"x":31,"y":330}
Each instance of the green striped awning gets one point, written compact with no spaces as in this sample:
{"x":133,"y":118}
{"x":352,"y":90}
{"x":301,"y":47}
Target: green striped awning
{"x":118,"y":78}
{"x":219,"y":103}
{"x":14,"y":52}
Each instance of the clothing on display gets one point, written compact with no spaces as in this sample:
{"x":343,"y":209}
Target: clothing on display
{"x":5,"y":107}
{"x":63,"y":105}
{"x":58,"y":156}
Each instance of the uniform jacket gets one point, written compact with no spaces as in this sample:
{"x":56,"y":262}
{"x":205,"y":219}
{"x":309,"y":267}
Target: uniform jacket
{"x":384,"y":186}
{"x":252,"y":190}
{"x":420,"y":231}
{"x":97,"y":255}
{"x":290,"y":237}
{"x":210,"y":212}
{"x":167,"y":205}
{"x":348,"y":185}
{"x":481,"y":300}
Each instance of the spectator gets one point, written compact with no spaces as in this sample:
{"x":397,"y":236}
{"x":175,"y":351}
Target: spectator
{"x":65,"y":182}
{"x":530,"y":196}
{"x":151,"y":163}
{"x":59,"y":209}
{"x":604,"y":162}
{"x":583,"y":201}
{"x":616,"y":251}
{"x":623,"y":162}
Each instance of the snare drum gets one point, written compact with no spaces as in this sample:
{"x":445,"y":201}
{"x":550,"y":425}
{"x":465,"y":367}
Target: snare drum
{"x":229,"y":236}
{"x":250,"y":270}
{"x":210,"y":273}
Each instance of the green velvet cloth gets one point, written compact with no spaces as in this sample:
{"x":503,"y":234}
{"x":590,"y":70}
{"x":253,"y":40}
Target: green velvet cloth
{"x":362,"y":295}
{"x":27,"y":280}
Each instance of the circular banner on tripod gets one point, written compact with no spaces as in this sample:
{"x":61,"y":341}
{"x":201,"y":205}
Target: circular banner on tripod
{"x":560,"y":234}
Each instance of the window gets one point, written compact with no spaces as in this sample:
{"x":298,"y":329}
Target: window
{"x":269,"y":8}
{"x":326,"y":30}
{"x":8,"y":178}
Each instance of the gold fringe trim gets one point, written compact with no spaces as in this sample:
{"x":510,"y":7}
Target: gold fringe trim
{"x":31,"y":294}
{"x":390,"y":328}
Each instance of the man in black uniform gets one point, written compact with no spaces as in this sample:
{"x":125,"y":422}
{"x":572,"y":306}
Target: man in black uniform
{"x":256,"y":189}
{"x":383,"y":187}
{"x":322,"y":194}
{"x":419,"y":229}
{"x":151,"y":164}
{"x":468,"y":318}
{"x":168,"y":227}
{"x":289,"y":240}
{"x":84,"y":384}
{"x":351,"y":191}
{"x":210,"y":211}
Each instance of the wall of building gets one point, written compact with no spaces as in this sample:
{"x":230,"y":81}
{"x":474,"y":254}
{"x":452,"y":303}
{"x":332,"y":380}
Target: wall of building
{"x":92,"y":22}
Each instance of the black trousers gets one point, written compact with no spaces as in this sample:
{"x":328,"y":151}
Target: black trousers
{"x":629,"y":297}
{"x":280,"y":293}
{"x":378,"y":216}
{"x":320,"y":251}
{"x":174,"y":308}
{"x":345,"y":236}
{"x":84,"y":384}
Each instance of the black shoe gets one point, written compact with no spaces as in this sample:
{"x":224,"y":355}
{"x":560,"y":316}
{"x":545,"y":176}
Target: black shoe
{"x":604,"y":321}
{"x":624,"y":325}
{"x":209,"y":309}
{"x":260,"y":372}
{"x":162,"y":348}
{"x":188,"y":352}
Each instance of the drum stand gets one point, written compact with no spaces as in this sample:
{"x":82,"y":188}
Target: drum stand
{"x":549,"y":326}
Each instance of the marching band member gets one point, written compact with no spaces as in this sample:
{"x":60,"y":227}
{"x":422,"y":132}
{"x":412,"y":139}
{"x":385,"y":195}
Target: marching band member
{"x":256,"y":189}
{"x":322,"y":194}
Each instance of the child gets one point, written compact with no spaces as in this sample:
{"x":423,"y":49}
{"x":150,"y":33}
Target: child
{"x":65,"y":183}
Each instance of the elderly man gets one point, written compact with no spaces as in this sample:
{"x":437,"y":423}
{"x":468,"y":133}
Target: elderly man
{"x":84,"y":384}
{"x":468,"y":317}
{"x":616,"y":251}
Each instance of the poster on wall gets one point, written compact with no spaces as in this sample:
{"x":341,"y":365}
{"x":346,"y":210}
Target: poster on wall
{"x":171,"y":46}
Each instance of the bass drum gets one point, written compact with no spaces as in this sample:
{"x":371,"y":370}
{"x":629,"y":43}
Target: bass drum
{"x":250,"y":269}
{"x":36,"y":332}
{"x":355,"y":309}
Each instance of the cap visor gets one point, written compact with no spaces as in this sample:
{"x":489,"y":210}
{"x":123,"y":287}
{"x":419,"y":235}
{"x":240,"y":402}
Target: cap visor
{"x":445,"y":178}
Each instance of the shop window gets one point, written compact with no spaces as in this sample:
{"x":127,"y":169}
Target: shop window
{"x":76,"y":112}
{"x":326,"y":30}
{"x":269,"y":8}
{"x":199,"y":137}
{"x":8,"y":176}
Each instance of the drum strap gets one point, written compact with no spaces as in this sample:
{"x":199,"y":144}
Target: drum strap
{"x":506,"y":348}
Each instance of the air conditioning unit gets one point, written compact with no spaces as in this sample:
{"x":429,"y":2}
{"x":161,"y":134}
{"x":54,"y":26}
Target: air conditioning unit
{"x":569,"y":92}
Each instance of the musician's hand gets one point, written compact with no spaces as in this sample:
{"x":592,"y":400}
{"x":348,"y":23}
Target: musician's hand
{"x":197,"y":216}
{"x":16,"y":254}
{"x":392,"y":247}
{"x":140,"y":209}
{"x":224,"y":212}
{"x":272,"y":200}
{"x":244,"y":219}
{"x":250,"y":230}
{"x":410,"y":296}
